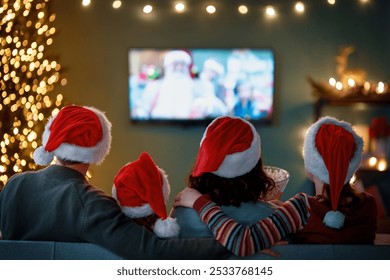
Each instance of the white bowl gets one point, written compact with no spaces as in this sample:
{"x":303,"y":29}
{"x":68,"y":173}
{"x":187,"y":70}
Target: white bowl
{"x":281,"y":178}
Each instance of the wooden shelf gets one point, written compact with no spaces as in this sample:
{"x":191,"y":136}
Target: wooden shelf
{"x":327,"y":95}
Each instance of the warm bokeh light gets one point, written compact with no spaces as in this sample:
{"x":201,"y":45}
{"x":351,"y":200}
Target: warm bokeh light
{"x":351,"y":82}
{"x":380,"y":88}
{"x":27,"y":79}
{"x":211,"y":9}
{"x":299,"y":7}
{"x":148,"y":9}
{"x":367,"y":86}
{"x":117,"y":4}
{"x":180,"y":7}
{"x":332,"y":2}
{"x":372,"y":161}
{"x":332,"y":82}
{"x":242,"y":9}
{"x":382,"y":165}
{"x":270,"y":11}
{"x":86,"y":3}
{"x":339,"y":85}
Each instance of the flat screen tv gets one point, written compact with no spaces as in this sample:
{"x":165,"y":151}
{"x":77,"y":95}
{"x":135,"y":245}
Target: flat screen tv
{"x":194,"y":86}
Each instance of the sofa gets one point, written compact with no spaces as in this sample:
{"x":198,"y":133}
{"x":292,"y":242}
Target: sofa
{"x":49,"y":250}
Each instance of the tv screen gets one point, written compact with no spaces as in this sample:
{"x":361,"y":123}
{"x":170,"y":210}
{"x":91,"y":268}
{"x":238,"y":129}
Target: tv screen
{"x":191,"y":86}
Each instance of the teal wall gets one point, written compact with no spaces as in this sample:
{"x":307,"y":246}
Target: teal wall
{"x":92,"y":45}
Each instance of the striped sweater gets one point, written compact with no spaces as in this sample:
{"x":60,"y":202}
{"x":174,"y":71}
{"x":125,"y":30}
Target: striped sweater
{"x":242,"y":240}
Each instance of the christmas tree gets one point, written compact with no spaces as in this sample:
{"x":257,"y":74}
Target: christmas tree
{"x":28,"y":74}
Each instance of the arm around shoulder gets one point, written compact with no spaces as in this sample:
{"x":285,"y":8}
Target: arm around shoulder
{"x":290,"y":217}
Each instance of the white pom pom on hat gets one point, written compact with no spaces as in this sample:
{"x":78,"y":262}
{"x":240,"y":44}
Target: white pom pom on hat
{"x":230,"y":147}
{"x":76,"y":133}
{"x":141,"y":188}
{"x":334,"y":219}
{"x":332,"y":153}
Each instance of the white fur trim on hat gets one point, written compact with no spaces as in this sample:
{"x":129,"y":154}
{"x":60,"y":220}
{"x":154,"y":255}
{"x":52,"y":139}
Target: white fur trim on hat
{"x":240,"y":163}
{"x":176,"y":56}
{"x":67,"y":151}
{"x":133,"y":212}
{"x":312,"y":158}
{"x":167,"y":228}
{"x":145,"y":209}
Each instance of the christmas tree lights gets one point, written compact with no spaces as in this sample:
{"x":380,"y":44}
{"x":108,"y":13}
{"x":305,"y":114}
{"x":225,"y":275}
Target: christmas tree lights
{"x":28,"y":75}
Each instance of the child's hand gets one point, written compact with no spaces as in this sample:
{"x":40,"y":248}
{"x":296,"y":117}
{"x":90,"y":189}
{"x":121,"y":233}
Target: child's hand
{"x":271,"y":252}
{"x":186,"y":197}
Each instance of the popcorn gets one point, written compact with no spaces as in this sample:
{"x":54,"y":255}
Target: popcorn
{"x":281,"y":178}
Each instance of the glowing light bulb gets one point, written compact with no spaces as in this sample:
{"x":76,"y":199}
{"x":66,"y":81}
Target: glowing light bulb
{"x":382,"y":165}
{"x":211,"y":9}
{"x":351,"y":82}
{"x":372,"y":161}
{"x":243,"y":9}
{"x":86,"y":3}
{"x":339,"y":85}
{"x":180,"y":7}
{"x":299,"y":7}
{"x":367,"y":86}
{"x":380,"y":88}
{"x":270,"y":11}
{"x":117,"y":4}
{"x":332,"y":2}
{"x":148,"y":9}
{"x":332,"y":82}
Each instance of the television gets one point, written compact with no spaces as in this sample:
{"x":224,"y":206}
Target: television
{"x":196,"y":85}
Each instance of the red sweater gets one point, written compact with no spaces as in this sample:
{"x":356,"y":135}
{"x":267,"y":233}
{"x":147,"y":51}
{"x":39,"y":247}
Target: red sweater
{"x":359,"y":226}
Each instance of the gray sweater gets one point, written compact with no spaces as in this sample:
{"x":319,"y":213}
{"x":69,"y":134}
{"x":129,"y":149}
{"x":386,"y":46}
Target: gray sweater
{"x":58,"y":204}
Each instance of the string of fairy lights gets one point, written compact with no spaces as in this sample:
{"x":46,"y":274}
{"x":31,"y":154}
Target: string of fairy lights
{"x":27,"y":78}
{"x":270,"y":11}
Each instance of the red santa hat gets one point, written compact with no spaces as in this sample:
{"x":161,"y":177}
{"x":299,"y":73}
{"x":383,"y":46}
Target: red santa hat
{"x":76,"y":133}
{"x":141,"y":188}
{"x":332,"y":153}
{"x":230,"y":147}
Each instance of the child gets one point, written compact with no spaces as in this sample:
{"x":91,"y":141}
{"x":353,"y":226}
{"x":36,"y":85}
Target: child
{"x":237,"y":187}
{"x":339,"y":214}
{"x":142,"y":190}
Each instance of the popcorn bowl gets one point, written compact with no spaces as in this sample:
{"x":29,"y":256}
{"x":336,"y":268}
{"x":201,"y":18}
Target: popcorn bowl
{"x":280,"y":177}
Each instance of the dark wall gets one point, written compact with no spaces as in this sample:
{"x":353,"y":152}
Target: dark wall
{"x":93,"y":42}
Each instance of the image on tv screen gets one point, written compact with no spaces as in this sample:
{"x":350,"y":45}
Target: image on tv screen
{"x":189,"y":85}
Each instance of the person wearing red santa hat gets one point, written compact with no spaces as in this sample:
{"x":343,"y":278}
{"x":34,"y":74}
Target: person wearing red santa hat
{"x":57,"y":203}
{"x":142,"y":190}
{"x":229,"y":173}
{"x":338,"y":213}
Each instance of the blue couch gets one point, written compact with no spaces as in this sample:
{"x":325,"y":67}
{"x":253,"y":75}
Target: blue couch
{"x":48,"y":250}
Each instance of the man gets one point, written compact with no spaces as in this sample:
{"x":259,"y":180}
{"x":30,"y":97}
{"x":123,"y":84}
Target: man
{"x":58,"y":204}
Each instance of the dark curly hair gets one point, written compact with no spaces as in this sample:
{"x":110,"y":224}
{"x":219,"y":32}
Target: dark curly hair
{"x":233,"y":191}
